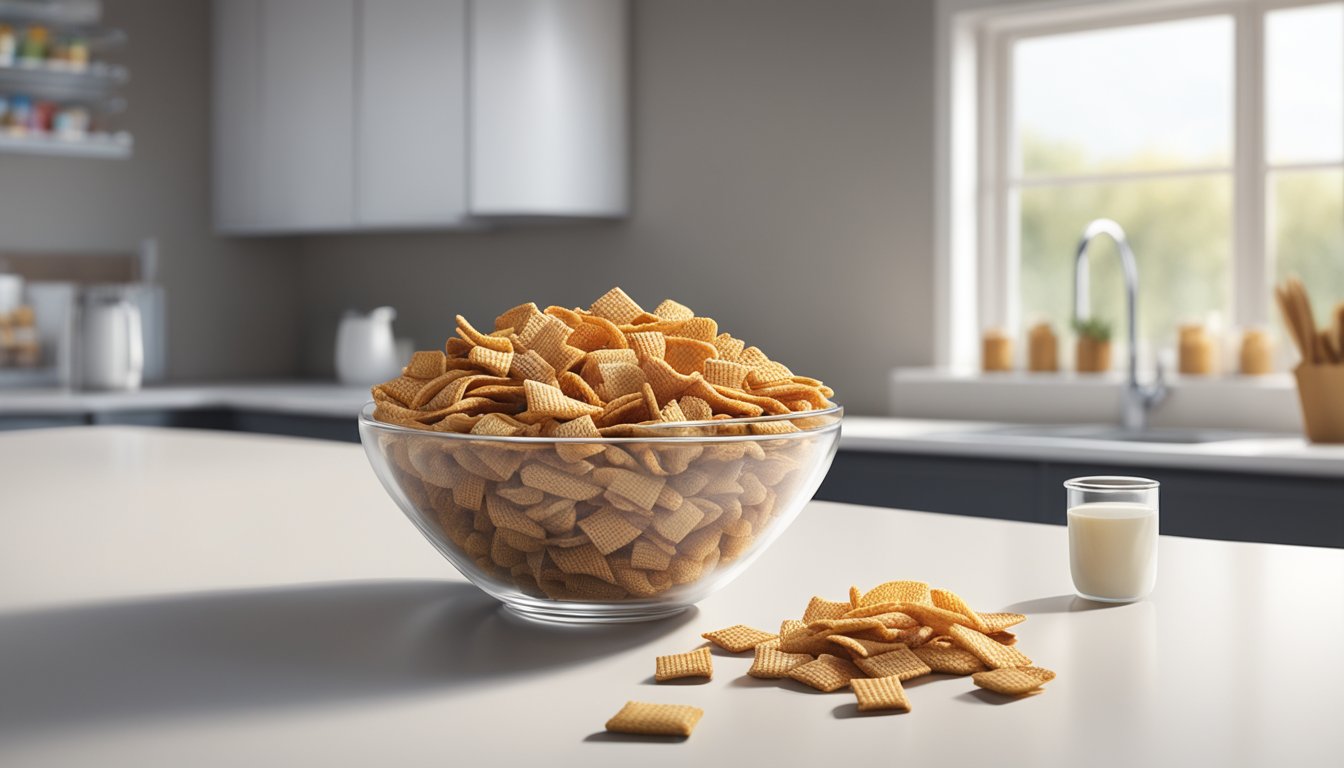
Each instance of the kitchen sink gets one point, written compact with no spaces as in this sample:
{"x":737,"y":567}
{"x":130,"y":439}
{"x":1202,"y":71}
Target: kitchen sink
{"x":1111,"y":432}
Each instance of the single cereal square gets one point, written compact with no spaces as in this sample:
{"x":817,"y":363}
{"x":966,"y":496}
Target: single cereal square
{"x":1013,"y":681}
{"x":861,"y":648}
{"x":878,"y":693}
{"x":949,"y":659}
{"x":828,"y":673}
{"x":902,"y":663}
{"x":655,"y":719}
{"x":990,"y":652}
{"x":738,"y":638}
{"x":697,"y":663}
{"x":771,"y":664}
{"x":823,"y":608}
{"x":997,"y":622}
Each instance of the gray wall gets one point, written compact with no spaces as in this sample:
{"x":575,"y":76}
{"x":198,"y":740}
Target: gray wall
{"x":783,"y":177}
{"x":232,"y":303}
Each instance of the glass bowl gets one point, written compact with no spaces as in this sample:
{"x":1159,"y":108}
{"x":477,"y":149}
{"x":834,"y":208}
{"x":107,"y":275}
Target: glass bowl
{"x":605,"y":529}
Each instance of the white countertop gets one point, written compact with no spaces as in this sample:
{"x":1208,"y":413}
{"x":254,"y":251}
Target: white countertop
{"x":307,"y":398}
{"x":188,"y":598}
{"x":1265,"y":455}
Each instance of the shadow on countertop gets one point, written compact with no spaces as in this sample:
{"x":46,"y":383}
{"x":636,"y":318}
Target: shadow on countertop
{"x":291,"y":646}
{"x":1060,"y":604}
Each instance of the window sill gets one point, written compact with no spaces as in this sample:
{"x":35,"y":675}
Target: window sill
{"x":1262,"y":403}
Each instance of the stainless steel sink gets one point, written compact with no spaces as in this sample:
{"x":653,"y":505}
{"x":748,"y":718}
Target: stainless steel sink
{"x":1111,"y":432}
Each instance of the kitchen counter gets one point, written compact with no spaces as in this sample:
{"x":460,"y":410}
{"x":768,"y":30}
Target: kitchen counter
{"x":172,"y":597}
{"x":305,"y":398}
{"x":1290,"y":455}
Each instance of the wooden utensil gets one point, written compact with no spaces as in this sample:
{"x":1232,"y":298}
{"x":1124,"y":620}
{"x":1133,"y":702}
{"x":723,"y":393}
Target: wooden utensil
{"x":1306,"y":321}
{"x":1290,"y":319}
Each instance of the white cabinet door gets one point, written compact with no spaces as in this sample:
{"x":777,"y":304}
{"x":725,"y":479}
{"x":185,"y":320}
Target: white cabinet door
{"x":548,"y":107}
{"x":236,"y":80}
{"x":411,"y":113}
{"x":307,"y":103}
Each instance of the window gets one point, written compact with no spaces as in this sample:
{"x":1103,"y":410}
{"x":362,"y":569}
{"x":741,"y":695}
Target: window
{"x":1213,"y":132}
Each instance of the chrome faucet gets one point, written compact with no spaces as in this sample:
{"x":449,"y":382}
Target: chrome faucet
{"x":1137,"y":399}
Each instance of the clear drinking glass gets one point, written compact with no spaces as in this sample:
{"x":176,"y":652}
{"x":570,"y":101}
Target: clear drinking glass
{"x":1112,"y":537}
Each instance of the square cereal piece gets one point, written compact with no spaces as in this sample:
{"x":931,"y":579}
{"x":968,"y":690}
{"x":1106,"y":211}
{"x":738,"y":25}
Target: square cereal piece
{"x":655,"y":719}
{"x":1013,"y":681}
{"x":994,"y":655}
{"x":697,"y":663}
{"x":879,"y":693}
{"x":821,"y":608}
{"x":902,"y":663}
{"x":896,"y":592}
{"x":828,"y":673}
{"x":738,"y":638}
{"x":997,"y":622}
{"x":772,"y":664}
{"x":862,"y":648}
{"x":949,"y":659}
{"x":951,"y":601}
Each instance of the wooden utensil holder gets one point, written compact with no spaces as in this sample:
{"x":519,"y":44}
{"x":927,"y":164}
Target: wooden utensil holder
{"x":1320,"y":388}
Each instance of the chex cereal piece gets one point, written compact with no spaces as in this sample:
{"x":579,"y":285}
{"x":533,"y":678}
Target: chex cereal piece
{"x":951,"y":601}
{"x":671,"y":310}
{"x":828,"y":673}
{"x":859,"y":647}
{"x":615,"y":305}
{"x":772,"y":664}
{"x":821,"y":608}
{"x":608,"y":530}
{"x":584,"y":559}
{"x":845,"y":626}
{"x":949,"y":659}
{"x":1013,"y":681}
{"x":655,"y":719}
{"x":902,"y":663}
{"x":492,"y":360}
{"x":806,"y":641}
{"x":551,"y":480}
{"x":940,"y":619}
{"x":697,"y":663}
{"x":878,"y":693}
{"x":547,"y":400}
{"x":738,"y":638}
{"x":639,"y":488}
{"x":896,"y":592}
{"x":994,"y":655}
{"x":997,"y":622}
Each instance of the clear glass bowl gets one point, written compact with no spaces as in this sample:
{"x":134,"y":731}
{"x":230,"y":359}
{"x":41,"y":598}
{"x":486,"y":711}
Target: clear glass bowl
{"x":611,"y":529}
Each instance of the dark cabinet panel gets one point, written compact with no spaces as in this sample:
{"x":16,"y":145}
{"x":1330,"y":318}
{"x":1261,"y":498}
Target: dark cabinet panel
{"x":1201,"y":504}
{"x":1007,"y":490}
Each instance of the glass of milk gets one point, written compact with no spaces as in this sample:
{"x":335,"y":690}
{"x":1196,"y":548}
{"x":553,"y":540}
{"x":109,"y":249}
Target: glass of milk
{"x":1113,"y":537}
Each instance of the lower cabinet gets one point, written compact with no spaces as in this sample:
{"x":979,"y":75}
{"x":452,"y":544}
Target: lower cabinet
{"x":1279,"y":509}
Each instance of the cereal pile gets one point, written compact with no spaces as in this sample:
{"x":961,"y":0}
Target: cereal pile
{"x":591,"y":373}
{"x":870,"y":644}
{"x":588,"y":518}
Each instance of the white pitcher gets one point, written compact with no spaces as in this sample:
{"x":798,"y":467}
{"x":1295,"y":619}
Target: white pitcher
{"x":112,"y":354}
{"x":366,"y":352}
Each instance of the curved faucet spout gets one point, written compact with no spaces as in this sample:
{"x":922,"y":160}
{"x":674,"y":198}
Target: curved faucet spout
{"x":1137,"y":399}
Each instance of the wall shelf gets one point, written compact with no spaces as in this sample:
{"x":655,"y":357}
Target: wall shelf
{"x":100,"y":145}
{"x":51,"y":95}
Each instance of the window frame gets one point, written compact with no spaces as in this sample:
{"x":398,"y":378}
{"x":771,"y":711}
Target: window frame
{"x":977,"y":239}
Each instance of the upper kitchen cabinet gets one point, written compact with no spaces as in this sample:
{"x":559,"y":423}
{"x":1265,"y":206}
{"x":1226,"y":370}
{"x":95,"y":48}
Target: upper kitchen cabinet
{"x":346,"y":115}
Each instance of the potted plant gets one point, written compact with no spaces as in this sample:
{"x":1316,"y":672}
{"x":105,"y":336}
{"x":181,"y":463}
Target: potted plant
{"x":1093,"y":350}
